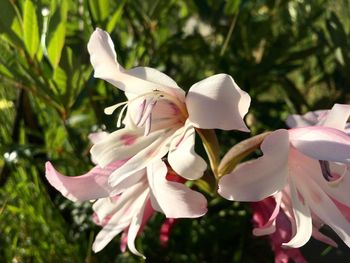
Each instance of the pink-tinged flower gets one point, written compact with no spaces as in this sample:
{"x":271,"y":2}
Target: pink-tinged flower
{"x":128,"y":205}
{"x":159,"y":118}
{"x":262,"y":211}
{"x":307,"y":171}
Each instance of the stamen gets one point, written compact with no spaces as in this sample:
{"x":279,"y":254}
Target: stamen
{"x":147,"y":111}
{"x":326,"y":171}
{"x":148,"y":125}
{"x":119,"y":122}
{"x":140,"y":112}
{"x":111,"y":109}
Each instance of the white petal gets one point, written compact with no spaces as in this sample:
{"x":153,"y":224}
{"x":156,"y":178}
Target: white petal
{"x":155,"y":76}
{"x":182,"y":157}
{"x":135,"y":225}
{"x":122,"y":218}
{"x":121,"y":144}
{"x":107,"y":206}
{"x":257,"y":179}
{"x":302,"y":218}
{"x":136,"y":81}
{"x":308,"y":119}
{"x":217,"y":103}
{"x":103,"y":57}
{"x":175,"y":200}
{"x":156,"y":150}
{"x":321,"y":143}
{"x":337,"y":117}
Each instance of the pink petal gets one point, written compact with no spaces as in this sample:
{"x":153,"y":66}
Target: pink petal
{"x":303,"y":220}
{"x":182,"y":157}
{"x":175,"y":200}
{"x":308,"y":119}
{"x":217,"y":103}
{"x":321,"y":143}
{"x":316,"y":234}
{"x":337,"y":117}
{"x":91,"y":185}
{"x":270,"y":226}
{"x":257,"y":179}
{"x":338,"y":189}
{"x":326,"y":210}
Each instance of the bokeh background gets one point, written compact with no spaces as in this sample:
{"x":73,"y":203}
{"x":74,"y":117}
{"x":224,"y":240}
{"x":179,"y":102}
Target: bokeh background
{"x":291,"y":56}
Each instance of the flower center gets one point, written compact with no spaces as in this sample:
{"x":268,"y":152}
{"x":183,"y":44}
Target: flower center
{"x":145,"y":105}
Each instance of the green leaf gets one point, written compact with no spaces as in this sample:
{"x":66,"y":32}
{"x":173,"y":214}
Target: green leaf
{"x":9,"y":22}
{"x":238,"y":152}
{"x":115,"y":17}
{"x":99,"y":9}
{"x":31,"y":36}
{"x":57,"y":34}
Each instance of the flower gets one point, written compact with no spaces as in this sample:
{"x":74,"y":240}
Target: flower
{"x":127,"y":206}
{"x":261,"y":215}
{"x":307,"y":170}
{"x":160,"y":120}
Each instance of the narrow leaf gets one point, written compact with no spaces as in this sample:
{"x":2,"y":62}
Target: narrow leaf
{"x":30,"y":28}
{"x":57,"y":34}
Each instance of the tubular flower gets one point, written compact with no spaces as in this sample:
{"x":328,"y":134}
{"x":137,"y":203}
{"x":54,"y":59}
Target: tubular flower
{"x":307,"y":171}
{"x":128,"y":205}
{"x":159,"y":118}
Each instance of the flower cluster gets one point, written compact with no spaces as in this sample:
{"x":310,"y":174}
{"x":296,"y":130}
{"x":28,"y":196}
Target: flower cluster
{"x":300,"y":183}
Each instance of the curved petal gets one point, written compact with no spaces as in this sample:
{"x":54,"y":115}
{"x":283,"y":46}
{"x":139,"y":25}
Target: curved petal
{"x":104,"y":60}
{"x":175,"y":200}
{"x":134,"y":228}
{"x":326,"y":210}
{"x":91,"y":185}
{"x":217,"y":103}
{"x":303,"y":220}
{"x":322,"y":143}
{"x":257,"y":179}
{"x":156,"y":150}
{"x":122,"y":217}
{"x":270,"y":226}
{"x":337,"y":117}
{"x":182,"y":157}
{"x":157,"y":77}
{"x":316,"y":234}
{"x":337,"y":189}
{"x":103,"y":57}
{"x":106,"y":207}
{"x":122,"y":144}
{"x":308,"y":119}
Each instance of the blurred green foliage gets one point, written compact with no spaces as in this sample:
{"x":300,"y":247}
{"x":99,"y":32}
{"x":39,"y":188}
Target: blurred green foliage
{"x":291,"y":56}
